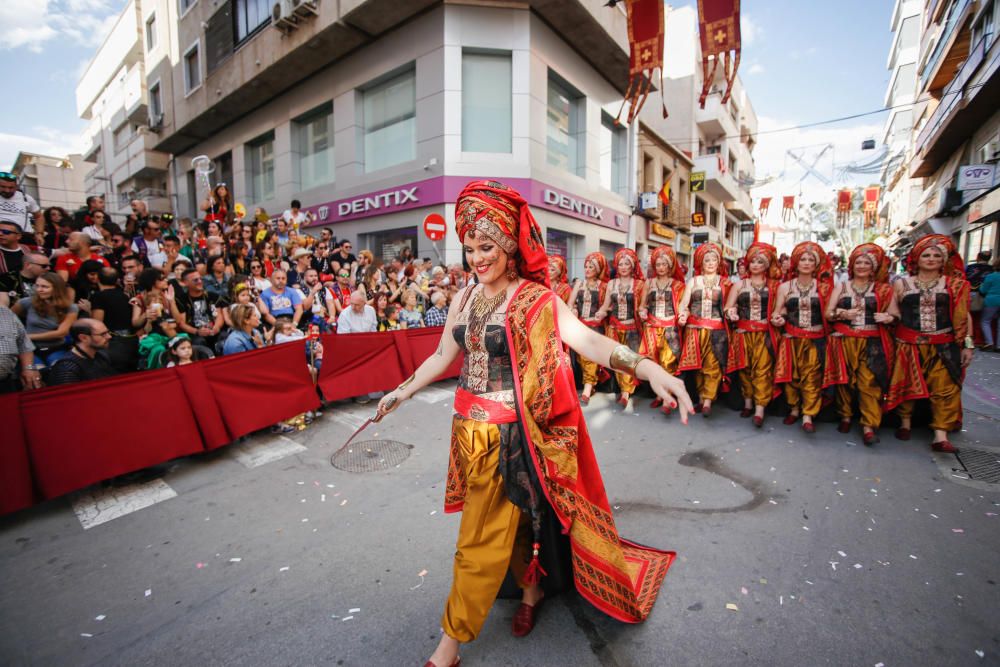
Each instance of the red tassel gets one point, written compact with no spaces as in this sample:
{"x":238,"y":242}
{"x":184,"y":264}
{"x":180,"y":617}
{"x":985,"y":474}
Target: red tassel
{"x":533,"y":575}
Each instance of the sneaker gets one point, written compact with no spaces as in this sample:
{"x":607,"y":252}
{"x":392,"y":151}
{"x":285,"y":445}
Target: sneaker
{"x":282,"y":429}
{"x":362,"y":400}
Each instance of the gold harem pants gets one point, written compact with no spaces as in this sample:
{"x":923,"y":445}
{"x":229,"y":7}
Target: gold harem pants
{"x":861,"y":382}
{"x":663,"y":355}
{"x":627,"y":383}
{"x":709,"y":376}
{"x":945,"y":395}
{"x":757,"y":379}
{"x":803,"y":392}
{"x":492,"y":530}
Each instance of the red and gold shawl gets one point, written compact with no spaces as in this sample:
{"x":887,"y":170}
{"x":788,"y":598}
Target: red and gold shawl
{"x":824,"y":286}
{"x":619,"y":577}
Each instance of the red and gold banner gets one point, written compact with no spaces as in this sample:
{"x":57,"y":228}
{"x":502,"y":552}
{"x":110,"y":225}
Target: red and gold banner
{"x":765,"y":203}
{"x":845,"y":199}
{"x":719,"y":26}
{"x":788,"y":208}
{"x":645,"y":39}
{"x":871,"y":205}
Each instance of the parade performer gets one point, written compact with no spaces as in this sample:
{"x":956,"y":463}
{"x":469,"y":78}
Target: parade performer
{"x":706,"y":340}
{"x":558,"y":277}
{"x":660,"y":302}
{"x":859,"y":349}
{"x":519,"y":448}
{"x":620,"y":308}
{"x":218,"y":206}
{"x":586,"y":300}
{"x":753,"y":343}
{"x":933,"y":341}
{"x":802,"y":347}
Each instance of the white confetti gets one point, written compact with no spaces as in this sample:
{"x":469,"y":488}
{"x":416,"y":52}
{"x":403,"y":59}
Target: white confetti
{"x":343,"y":502}
{"x":322,"y":497}
{"x":857,"y":566}
{"x":100,"y":618}
{"x":283,"y":569}
{"x":86,"y":634}
{"x":305,"y":520}
{"x":149,"y":591}
{"x":842,"y":554}
{"x":354,"y":611}
{"x":913,"y":557}
{"x":981,"y":654}
{"x":235,"y":560}
{"x":346,"y":618}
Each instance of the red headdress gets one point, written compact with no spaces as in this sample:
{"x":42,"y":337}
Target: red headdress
{"x":953,"y":265}
{"x":880,"y":261}
{"x":768,"y":252}
{"x":561,"y":263}
{"x":502,"y":214}
{"x":699,"y":258}
{"x":676,"y":271}
{"x":602,"y":265}
{"x":824,"y":267}
{"x":636,"y":269}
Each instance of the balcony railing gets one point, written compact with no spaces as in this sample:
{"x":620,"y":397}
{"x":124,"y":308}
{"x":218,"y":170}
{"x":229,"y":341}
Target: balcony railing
{"x":944,"y":41}
{"x":953,"y":94}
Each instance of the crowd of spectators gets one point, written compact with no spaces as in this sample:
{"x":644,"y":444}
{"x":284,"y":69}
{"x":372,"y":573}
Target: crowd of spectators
{"x":85,"y":296}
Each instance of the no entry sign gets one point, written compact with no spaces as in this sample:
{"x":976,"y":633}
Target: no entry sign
{"x":435,"y":227}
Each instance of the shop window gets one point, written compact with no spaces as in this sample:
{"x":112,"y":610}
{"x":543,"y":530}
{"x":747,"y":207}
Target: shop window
{"x":566,"y":126}
{"x":390,"y":121}
{"x":260,"y":160}
{"x":313,"y":135}
{"x":486,"y":102}
{"x":608,"y":249}
{"x":388,"y":244}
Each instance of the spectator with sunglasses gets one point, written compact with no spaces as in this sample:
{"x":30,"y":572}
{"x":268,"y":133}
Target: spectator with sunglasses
{"x":343,"y":259}
{"x":18,"y":207}
{"x":12,"y":254}
{"x":96,"y":230}
{"x":197,"y":313}
{"x":258,"y":280}
{"x":148,"y":245}
{"x":33,"y":265}
{"x":88,"y":359}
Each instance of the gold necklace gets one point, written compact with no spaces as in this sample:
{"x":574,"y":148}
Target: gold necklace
{"x":925,"y":287}
{"x":803,"y":292}
{"x":710,"y":284}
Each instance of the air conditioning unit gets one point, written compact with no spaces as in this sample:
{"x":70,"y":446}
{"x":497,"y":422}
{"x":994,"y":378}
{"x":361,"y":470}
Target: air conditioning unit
{"x":283,"y":15}
{"x":993,"y":152}
{"x":304,"y":8}
{"x":155,"y":122}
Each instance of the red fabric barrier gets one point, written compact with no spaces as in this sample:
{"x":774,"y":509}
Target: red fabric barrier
{"x":422,"y":343}
{"x":16,"y":488}
{"x":358,"y":363}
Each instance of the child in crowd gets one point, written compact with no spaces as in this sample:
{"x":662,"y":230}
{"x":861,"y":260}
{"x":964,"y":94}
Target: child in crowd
{"x":180,"y":350}
{"x":390,"y":322}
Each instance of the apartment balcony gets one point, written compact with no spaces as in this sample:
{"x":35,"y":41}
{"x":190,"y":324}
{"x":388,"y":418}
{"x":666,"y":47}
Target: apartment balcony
{"x":136,"y":97}
{"x":741,"y":207}
{"x":121,"y":48}
{"x":715,"y":119}
{"x":719,"y":183}
{"x":951,"y":48}
{"x":967,"y":102}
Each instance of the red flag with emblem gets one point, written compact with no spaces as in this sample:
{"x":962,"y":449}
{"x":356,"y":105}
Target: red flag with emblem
{"x":645,"y":40}
{"x":788,"y":208}
{"x":719,"y":27}
{"x":871,"y":205}
{"x":765,"y":203}
{"x":844,"y":203}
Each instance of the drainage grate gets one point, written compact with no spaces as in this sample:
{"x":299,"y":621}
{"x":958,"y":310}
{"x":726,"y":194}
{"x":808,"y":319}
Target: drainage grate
{"x":371,"y":455}
{"x":982,"y":466}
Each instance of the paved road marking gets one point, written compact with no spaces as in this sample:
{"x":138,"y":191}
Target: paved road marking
{"x":102,"y":505}
{"x":434,"y":395}
{"x":259,"y":451}
{"x":354,"y":419}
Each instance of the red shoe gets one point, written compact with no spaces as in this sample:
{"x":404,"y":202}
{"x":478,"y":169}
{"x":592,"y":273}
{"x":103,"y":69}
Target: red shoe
{"x":844,"y":426}
{"x":706,"y":411}
{"x":745,"y":412}
{"x":869,"y":438}
{"x":457,"y":663}
{"x":623,"y":401}
{"x":790,"y":419}
{"x":902,"y":433}
{"x":584,"y":399}
{"x":657,"y":402}
{"x":524,"y":619}
{"x":758,"y":421}
{"x":808,"y":427}
{"x":666,"y":409}
{"x":944,"y":446}
{"x":697,"y":408}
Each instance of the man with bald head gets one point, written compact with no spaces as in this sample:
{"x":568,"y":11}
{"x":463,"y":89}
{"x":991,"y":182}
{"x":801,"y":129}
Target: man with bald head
{"x":359,"y":318}
{"x":79,"y":252}
{"x":88,"y":360}
{"x":21,"y":284}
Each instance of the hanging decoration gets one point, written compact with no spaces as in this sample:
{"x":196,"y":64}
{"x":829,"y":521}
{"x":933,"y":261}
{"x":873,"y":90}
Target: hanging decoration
{"x":765,"y":203}
{"x":665,"y":193}
{"x":844,"y":203}
{"x":645,"y":39}
{"x":788,"y":208}
{"x":871,"y":205}
{"x":719,"y":25}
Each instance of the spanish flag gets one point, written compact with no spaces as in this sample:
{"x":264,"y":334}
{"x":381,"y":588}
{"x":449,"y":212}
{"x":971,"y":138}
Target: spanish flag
{"x":665,"y":193}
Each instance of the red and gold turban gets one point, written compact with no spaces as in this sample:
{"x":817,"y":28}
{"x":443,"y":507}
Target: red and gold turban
{"x":824,"y":267}
{"x":502,"y":214}
{"x":636,"y":271}
{"x":953,"y":265}
{"x":699,"y":258}
{"x":561,"y":275}
{"x":602,"y":265}
{"x":875,"y":254}
{"x":769,"y":253}
{"x":676,"y":270}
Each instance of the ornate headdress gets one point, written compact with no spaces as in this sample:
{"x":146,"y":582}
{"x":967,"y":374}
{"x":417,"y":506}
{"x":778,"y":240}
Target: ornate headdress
{"x":602,"y":265}
{"x":560,"y":263}
{"x":824,"y":267}
{"x":699,"y":258}
{"x":625,"y":252}
{"x":953,"y":265}
{"x":502,"y":214}
{"x":769,"y":253}
{"x":875,"y":254}
{"x":676,"y":271}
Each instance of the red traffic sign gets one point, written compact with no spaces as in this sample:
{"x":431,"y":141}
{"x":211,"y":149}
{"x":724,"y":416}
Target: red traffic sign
{"x":435,"y":227}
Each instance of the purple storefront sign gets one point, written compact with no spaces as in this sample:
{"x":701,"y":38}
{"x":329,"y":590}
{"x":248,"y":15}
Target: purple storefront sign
{"x":445,"y":189}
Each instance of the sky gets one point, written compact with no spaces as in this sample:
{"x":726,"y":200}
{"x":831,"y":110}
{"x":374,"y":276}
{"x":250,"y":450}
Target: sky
{"x":802,"y":62}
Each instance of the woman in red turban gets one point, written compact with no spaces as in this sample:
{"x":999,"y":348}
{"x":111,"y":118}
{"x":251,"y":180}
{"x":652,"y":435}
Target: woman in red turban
{"x":706,"y":340}
{"x":521,"y":459}
{"x":586,"y":300}
{"x":558,"y":277}
{"x":799,"y":309}
{"x":933,"y":341}
{"x":620,"y":308}
{"x":859,"y":349}
{"x":752,"y":344}
{"x":660,"y":302}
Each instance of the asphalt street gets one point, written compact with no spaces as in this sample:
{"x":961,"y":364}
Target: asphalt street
{"x":792,"y":550}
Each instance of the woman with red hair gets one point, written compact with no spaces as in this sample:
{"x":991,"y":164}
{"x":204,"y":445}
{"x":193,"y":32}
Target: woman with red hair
{"x":859,"y":349}
{"x":706,"y":340}
{"x":752,"y":344}
{"x":586,"y":300}
{"x":620,"y":308}
{"x":558,"y":277}
{"x":660,"y":301}
{"x":522,"y":468}
{"x":933,"y":341}
{"x":799,"y":309}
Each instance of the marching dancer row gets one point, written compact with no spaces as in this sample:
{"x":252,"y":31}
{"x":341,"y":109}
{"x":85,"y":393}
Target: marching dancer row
{"x":866,"y":341}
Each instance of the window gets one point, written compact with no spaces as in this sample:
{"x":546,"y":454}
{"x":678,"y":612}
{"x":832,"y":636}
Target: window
{"x":155,"y":101}
{"x":713,"y":219}
{"x":260,"y":159}
{"x":614,"y":155}
{"x":313,"y":136}
{"x":390,"y":117}
{"x":732,"y":165}
{"x":486,"y":102}
{"x":192,"y":68}
{"x":151,"y":32}
{"x":251,"y":16}
{"x":122,"y":136}
{"x":566,"y":126}
{"x":186,"y":5}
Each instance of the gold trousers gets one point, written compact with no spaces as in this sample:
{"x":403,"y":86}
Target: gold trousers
{"x":757,"y":379}
{"x":803,"y":392}
{"x":860,"y":382}
{"x":709,"y":376}
{"x":588,"y":368}
{"x":945,"y":395}
{"x":626,"y":382}
{"x":491,"y":531}
{"x":664,"y":355}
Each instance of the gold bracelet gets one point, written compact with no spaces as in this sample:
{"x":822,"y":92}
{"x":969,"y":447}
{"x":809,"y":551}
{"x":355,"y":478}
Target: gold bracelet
{"x":624,"y":360}
{"x":406,"y":383}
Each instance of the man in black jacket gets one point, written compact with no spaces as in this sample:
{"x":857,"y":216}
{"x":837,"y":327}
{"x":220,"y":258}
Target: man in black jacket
{"x":88,"y":359}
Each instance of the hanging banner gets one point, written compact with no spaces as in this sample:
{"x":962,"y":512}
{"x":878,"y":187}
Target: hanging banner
{"x":765,"y":203}
{"x":645,"y":41}
{"x":844,"y":204}
{"x":719,"y":26}
{"x":871,"y":205}
{"x":788,"y":208}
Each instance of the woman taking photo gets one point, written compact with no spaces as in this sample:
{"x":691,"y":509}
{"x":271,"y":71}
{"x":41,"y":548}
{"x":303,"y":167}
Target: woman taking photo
{"x":660,"y":302}
{"x":47,"y":317}
{"x":586,"y":299}
{"x":933,"y":338}
{"x":754,"y":340}
{"x":706,"y":340}
{"x":802,"y":347}
{"x":515,"y":408}
{"x":619,"y":307}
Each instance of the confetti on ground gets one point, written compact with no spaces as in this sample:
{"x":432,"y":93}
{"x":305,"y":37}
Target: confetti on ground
{"x":283,"y":569}
{"x":300,"y":483}
{"x":305,"y":520}
{"x":810,"y":583}
{"x":322,"y":497}
{"x":834,"y":564}
{"x":330,"y":486}
{"x":781,"y":599}
{"x":805,"y":527}
{"x":913,"y":557}
{"x":842,"y":554}
{"x":343,"y":502}
{"x":346,"y":618}
{"x":772,"y":502}
{"x":732,"y":607}
{"x":763,"y":581}
{"x":354,"y":611}
{"x":934,"y":516}
{"x":433,"y":512}
{"x":199,"y":565}
{"x":744,"y":590}
{"x":235,"y":560}
{"x":981,"y":654}
{"x":857,"y":566}
{"x":86,"y":634}
{"x":957,"y":530}
{"x":100,"y":618}
{"x":303,"y":500}
{"x":879,"y":664}
{"x":149,"y":591}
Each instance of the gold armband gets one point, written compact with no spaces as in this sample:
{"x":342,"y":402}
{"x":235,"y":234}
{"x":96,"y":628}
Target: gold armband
{"x":969,"y":343}
{"x":625,"y":360}
{"x":406,"y":383}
